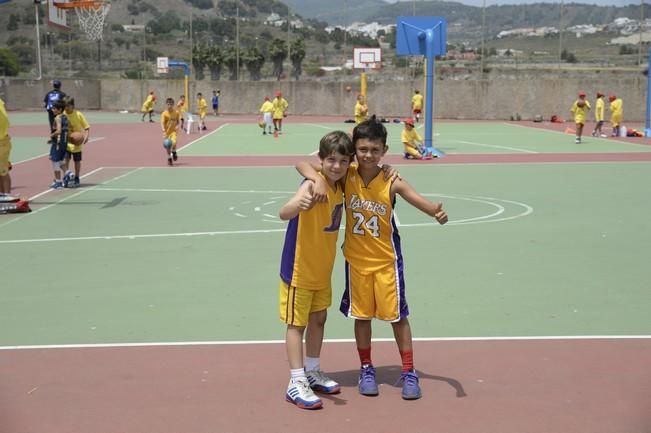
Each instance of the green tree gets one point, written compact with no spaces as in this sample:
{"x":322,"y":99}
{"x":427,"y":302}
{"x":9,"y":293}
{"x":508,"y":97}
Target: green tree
{"x":13,"y":22}
{"x":8,"y":63}
{"x":278,"y":53}
{"x":254,"y":59}
{"x":215,"y":60}
{"x":199,"y":60}
{"x":296,"y":56}
{"x":230,"y":60}
{"x":165,"y":23}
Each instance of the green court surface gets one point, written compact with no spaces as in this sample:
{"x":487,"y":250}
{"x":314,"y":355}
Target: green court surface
{"x":451,"y":138}
{"x":192,"y":254}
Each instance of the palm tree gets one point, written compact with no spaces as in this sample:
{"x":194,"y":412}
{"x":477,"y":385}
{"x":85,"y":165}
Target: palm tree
{"x":254,"y":59}
{"x":199,"y":59}
{"x":215,"y":60}
{"x":297,"y":56}
{"x":278,"y":53}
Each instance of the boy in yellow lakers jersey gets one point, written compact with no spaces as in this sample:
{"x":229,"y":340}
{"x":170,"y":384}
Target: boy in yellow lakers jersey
{"x":306,"y":269}
{"x":169,"y":123}
{"x":375,"y":286}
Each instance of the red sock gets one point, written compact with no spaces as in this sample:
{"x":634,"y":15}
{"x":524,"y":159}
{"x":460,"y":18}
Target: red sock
{"x":365,"y":355}
{"x":407,"y":360}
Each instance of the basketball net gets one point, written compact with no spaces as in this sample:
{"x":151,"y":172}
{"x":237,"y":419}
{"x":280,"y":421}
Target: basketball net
{"x":91,"y":19}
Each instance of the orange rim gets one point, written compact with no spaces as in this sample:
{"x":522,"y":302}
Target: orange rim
{"x":79,"y":4}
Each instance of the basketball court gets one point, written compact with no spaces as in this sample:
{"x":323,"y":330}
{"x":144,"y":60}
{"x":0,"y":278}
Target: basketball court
{"x":146,"y":300}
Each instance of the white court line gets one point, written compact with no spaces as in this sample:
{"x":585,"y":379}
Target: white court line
{"x":328,"y":340}
{"x":48,"y":153}
{"x":149,"y":236}
{"x":201,"y":138}
{"x":609,"y":139}
{"x":100,"y":188}
{"x":320,"y":126}
{"x":496,"y":146}
{"x":81,"y":191}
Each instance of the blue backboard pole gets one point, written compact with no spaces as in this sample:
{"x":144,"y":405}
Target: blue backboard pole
{"x":647,"y":126}
{"x":424,"y":36}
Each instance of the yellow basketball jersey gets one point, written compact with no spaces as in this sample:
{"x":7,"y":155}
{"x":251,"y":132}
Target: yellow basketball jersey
{"x":311,"y":244}
{"x":372,"y":239}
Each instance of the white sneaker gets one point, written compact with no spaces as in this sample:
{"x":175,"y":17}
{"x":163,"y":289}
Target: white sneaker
{"x":300,"y":393}
{"x":322,"y":383}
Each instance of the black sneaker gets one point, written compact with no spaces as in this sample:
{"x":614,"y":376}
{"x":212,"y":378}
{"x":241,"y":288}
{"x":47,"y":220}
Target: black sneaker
{"x":169,"y":161}
{"x":174,"y":156}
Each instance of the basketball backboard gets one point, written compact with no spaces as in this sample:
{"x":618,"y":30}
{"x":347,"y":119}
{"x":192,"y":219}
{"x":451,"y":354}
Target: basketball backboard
{"x":57,"y":16}
{"x":412,"y":32}
{"x":367,"y":58}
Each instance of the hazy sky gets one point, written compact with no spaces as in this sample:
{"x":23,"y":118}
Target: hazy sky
{"x":503,"y":2}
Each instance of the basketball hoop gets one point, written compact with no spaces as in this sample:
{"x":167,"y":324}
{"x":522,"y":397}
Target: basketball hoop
{"x":367,"y":58}
{"x":91,"y":15}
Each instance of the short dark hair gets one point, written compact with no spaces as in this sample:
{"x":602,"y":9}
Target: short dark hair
{"x":336,"y":141}
{"x":69,"y":100}
{"x":59,"y":105}
{"x":371,"y":129}
{"x":169,"y":101}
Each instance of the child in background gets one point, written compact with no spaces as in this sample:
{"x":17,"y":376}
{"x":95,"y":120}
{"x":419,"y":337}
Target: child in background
{"x":76,"y":123}
{"x":202,"y":106}
{"x":58,"y":142}
{"x":361,"y":109}
{"x":267,"y":109}
{"x":5,"y":151}
{"x":616,"y":113}
{"x":169,"y":122}
{"x":599,"y":112}
{"x":182,"y":109}
{"x":215,"y":101}
{"x":148,"y":106}
{"x":413,"y":143}
{"x":417,"y":105}
{"x":306,"y":271}
{"x":375,"y":285}
{"x":580,"y":110}
{"x":280,"y":105}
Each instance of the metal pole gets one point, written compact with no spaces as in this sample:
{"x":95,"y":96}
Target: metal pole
{"x":187,"y":100}
{"x":344,"y":25}
{"x":237,"y":44}
{"x":289,"y":47}
{"x":560,"y":35}
{"x":413,"y":8}
{"x":38,"y":44}
{"x":483,"y":31}
{"x":647,"y":128}
{"x":639,"y":48}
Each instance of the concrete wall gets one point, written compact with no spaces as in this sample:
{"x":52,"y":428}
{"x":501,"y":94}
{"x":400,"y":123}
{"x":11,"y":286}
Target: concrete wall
{"x":496,"y":98}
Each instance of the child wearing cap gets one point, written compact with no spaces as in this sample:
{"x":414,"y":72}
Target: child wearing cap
{"x":616,"y":113}
{"x":599,"y":111}
{"x":280,"y":105}
{"x":413,"y":143}
{"x":580,"y":110}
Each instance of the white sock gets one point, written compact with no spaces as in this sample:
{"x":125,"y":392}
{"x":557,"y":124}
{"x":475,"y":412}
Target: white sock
{"x":312,"y":364}
{"x":297,"y":373}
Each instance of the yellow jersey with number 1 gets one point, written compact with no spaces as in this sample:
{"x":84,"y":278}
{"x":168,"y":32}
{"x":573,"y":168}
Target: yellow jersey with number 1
{"x":311,"y":244}
{"x":372,"y":240}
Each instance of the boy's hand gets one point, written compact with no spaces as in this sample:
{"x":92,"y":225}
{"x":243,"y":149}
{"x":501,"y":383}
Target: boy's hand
{"x":440,"y":214}
{"x":390,"y":172}
{"x":305,"y":200}
{"x":320,"y":190}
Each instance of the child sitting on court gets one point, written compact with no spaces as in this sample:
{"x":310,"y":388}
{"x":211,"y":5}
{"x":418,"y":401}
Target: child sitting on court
{"x":169,"y":123}
{"x":306,"y":269}
{"x":375,"y":287}
{"x":58,"y":142}
{"x":413,"y":143}
{"x":76,"y":123}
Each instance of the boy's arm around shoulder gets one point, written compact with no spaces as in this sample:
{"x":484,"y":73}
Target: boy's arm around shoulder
{"x":301,"y":201}
{"x":310,"y":171}
{"x":406,"y":191}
